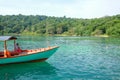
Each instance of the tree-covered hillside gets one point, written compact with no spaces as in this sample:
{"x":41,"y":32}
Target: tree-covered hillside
{"x":44,"y":25}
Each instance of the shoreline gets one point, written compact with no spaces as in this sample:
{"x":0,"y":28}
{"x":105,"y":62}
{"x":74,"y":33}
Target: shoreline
{"x":57,"y":35}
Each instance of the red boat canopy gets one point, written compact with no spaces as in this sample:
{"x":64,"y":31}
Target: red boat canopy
{"x":5,"y":38}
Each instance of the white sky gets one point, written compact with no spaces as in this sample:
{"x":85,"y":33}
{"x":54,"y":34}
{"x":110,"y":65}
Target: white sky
{"x":60,"y":8}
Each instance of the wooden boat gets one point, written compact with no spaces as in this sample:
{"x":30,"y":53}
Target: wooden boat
{"x":40,"y":54}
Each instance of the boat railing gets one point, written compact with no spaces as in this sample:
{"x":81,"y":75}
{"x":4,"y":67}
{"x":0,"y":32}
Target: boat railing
{"x":25,"y":52}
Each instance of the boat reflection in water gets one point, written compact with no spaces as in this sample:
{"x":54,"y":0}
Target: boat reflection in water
{"x":27,"y":71}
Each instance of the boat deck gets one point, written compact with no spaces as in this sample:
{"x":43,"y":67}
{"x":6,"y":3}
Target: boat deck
{"x":26,"y":52}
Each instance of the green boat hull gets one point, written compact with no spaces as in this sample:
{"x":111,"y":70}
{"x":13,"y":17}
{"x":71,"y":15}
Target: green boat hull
{"x":39,"y":56}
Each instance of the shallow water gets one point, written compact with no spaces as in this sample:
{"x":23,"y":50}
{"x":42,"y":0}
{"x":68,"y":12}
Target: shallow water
{"x":78,"y":58}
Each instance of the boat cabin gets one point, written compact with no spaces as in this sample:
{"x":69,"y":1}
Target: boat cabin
{"x":6,"y":52}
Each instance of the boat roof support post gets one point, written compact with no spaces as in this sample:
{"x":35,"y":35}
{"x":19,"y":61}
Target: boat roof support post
{"x":6,"y":52}
{"x":5,"y":48}
{"x":14,"y":44}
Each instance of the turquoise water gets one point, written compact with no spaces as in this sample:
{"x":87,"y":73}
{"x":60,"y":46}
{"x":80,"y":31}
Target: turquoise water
{"x":78,"y":58}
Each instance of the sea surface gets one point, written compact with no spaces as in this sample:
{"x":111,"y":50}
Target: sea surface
{"x":78,"y":58}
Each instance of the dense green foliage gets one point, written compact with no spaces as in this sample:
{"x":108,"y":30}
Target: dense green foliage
{"x":44,"y":25}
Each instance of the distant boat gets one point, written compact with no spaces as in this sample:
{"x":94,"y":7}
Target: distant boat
{"x":40,"y":54}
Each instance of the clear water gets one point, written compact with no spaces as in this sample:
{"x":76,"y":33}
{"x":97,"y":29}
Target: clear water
{"x":78,"y":58}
